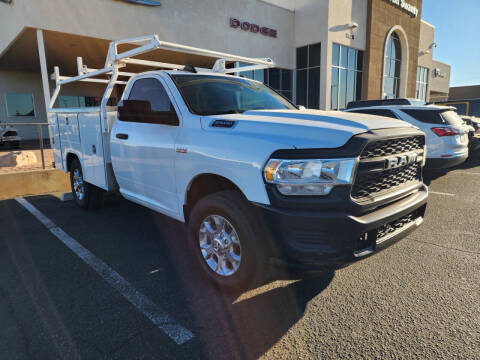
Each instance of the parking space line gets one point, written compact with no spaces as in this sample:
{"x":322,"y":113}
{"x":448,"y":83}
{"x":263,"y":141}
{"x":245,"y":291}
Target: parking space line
{"x":152,"y":311}
{"x":467,"y":173}
{"x":440,"y":193}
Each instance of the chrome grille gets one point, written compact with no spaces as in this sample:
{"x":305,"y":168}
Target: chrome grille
{"x":392,"y":146}
{"x":369,"y":184}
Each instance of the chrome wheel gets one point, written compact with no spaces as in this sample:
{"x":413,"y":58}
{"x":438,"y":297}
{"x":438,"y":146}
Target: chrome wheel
{"x":78,"y":186}
{"x":220,"y":245}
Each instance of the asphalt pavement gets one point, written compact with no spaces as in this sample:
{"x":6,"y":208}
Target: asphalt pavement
{"x":420,"y":298}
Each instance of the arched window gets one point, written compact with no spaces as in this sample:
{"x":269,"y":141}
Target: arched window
{"x":393,"y":64}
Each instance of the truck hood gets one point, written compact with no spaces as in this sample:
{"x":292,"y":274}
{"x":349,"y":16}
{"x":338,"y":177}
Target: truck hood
{"x":301,"y":128}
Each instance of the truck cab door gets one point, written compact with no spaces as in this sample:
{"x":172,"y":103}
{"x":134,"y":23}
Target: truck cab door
{"x":143,"y":149}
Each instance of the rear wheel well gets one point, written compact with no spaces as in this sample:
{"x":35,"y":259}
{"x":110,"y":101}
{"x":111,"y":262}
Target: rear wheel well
{"x":70,"y":158}
{"x":204,"y":185}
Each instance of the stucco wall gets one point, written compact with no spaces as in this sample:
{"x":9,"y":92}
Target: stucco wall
{"x":183,"y":21}
{"x":341,"y":14}
{"x":31,"y":83}
{"x":465,"y":92}
{"x":298,"y":23}
{"x":328,"y":21}
{"x":425,"y":52}
{"x":23,"y":83}
{"x":438,"y":83}
{"x":425,"y":59}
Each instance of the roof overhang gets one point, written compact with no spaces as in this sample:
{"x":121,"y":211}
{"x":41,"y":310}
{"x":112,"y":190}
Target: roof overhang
{"x":62,"y":50}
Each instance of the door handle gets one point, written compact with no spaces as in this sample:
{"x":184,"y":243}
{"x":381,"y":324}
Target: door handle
{"x":122,"y":136}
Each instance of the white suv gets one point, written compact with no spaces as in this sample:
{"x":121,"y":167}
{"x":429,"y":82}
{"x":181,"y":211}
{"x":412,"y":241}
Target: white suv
{"x":446,"y":134}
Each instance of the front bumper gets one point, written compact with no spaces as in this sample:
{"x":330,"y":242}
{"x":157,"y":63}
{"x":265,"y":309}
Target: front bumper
{"x":317,"y":238}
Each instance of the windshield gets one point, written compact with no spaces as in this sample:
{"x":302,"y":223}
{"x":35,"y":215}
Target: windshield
{"x":214,"y":95}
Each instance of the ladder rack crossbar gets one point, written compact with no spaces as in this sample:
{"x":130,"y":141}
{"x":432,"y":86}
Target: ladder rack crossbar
{"x":116,"y":60}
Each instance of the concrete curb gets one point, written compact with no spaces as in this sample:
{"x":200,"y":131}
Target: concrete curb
{"x":33,"y":183}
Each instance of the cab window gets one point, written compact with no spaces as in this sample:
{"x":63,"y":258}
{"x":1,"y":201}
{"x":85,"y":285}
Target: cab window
{"x":160,"y":111}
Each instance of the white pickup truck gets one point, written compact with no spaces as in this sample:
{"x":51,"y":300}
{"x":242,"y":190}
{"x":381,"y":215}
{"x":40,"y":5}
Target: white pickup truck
{"x":254,"y":177}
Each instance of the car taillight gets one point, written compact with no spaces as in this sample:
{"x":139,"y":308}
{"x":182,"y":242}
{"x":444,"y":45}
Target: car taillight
{"x":444,"y":131}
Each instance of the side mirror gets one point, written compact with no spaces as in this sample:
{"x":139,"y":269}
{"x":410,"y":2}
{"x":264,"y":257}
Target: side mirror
{"x":301,"y":107}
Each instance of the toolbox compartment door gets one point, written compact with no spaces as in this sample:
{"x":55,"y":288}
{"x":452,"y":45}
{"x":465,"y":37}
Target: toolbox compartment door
{"x":92,"y":148}
{"x":55,"y":142}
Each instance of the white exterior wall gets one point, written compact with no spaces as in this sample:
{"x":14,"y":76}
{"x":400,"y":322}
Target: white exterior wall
{"x":298,"y":22}
{"x":206,"y":24}
{"x":31,"y":83}
{"x":311,"y":26}
{"x":328,"y":21}
{"x":341,"y":16}
{"x":23,"y":83}
{"x":425,"y":59}
{"x":190,"y":22}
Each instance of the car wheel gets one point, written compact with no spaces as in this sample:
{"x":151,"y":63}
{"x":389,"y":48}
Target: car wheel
{"x":87,"y":196}
{"x":223,"y":238}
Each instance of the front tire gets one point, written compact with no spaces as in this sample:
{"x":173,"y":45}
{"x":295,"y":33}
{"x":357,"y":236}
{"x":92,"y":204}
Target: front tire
{"x":86,"y":196}
{"x":223,"y":237}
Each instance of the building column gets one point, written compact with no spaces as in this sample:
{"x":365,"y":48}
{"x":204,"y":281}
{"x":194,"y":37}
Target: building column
{"x":46,"y":87}
{"x":43,"y":68}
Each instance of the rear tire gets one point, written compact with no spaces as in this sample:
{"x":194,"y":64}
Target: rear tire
{"x":222,"y":230}
{"x":87,"y":196}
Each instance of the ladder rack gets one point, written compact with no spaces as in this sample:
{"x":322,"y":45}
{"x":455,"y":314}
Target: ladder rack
{"x":115,"y":61}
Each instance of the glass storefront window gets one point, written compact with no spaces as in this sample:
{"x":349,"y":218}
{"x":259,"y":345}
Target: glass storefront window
{"x":19,"y":104}
{"x":72,"y":101}
{"x":391,"y":82}
{"x":259,"y":75}
{"x":302,"y":57}
{"x":422,"y":83}
{"x":308,"y":76}
{"x":336,"y":55}
{"x":347,"y":64}
{"x":276,"y":78}
{"x":280,"y":80}
{"x":302,"y":87}
{"x":314,"y":55}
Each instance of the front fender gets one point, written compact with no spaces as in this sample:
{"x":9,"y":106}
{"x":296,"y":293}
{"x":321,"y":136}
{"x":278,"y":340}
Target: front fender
{"x":243,"y":173}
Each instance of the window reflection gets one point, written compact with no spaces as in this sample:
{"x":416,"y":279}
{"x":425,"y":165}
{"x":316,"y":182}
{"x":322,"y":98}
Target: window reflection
{"x":391,"y":87}
{"x":346,"y":82}
{"x":308,"y":76}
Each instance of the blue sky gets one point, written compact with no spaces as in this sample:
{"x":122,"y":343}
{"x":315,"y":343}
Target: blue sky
{"x":457,"y":32}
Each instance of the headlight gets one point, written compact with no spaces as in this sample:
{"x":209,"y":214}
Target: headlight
{"x":310,"y":176}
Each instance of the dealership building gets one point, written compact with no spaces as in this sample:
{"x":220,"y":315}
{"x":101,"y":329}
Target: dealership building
{"x":327,"y":52}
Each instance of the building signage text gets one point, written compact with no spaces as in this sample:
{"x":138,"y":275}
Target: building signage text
{"x":411,"y":9}
{"x":254,"y":28}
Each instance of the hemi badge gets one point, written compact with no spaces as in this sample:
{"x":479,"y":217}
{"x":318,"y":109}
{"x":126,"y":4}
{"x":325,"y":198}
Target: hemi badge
{"x":181,"y":150}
